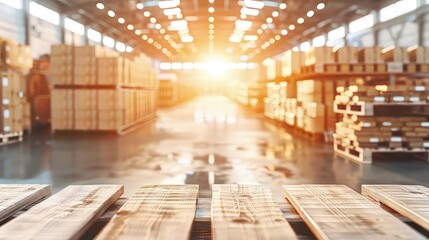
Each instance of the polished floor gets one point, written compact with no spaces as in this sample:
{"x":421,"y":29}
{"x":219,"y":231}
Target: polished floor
{"x":206,"y":141}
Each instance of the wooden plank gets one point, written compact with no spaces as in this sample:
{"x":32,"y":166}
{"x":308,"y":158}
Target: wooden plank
{"x":410,"y":201}
{"x":337,"y":212}
{"x":155,"y":212}
{"x":66,"y":215}
{"x":15,"y":197}
{"x":247,"y":212}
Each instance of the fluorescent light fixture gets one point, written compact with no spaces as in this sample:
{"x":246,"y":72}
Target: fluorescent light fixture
{"x":121,"y":20}
{"x":243,"y":24}
{"x":300,"y":20}
{"x":284,"y":32}
{"x":249,"y":11}
{"x":108,"y":42}
{"x":120,"y":47}
{"x":211,"y":9}
{"x":282,"y":6}
{"x":129,"y":49}
{"x":253,"y":4}
{"x":187,"y":39}
{"x":310,"y":13}
{"x":168,"y":4}
{"x":275,"y":14}
{"x":172,"y":11}
{"x":139,"y":6}
{"x":250,"y":38}
{"x":111,"y":13}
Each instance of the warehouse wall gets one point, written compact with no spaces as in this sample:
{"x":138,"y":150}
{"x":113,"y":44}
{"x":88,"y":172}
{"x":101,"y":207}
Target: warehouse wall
{"x":11,"y":23}
{"x":42,"y":36}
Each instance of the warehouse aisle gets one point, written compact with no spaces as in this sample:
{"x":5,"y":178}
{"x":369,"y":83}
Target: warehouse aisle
{"x":206,"y":141}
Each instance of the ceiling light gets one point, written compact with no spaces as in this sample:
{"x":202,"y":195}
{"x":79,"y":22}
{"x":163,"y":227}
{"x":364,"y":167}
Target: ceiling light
{"x":172,"y":11}
{"x":264,"y":26}
{"x":253,"y":4}
{"x":292,"y":27}
{"x":167,"y":37}
{"x":235,"y":38}
{"x":250,"y":11}
{"x":320,"y":6}
{"x":277,"y":37}
{"x":179,"y":24}
{"x":168,"y":4}
{"x":158,"y":26}
{"x":121,"y":20}
{"x":211,"y":9}
{"x":269,"y":20}
{"x":158,"y":46}
{"x":138,"y":32}
{"x":272,"y":40}
{"x":243,"y":16}
{"x":146,"y":14}
{"x":260,"y":31}
{"x":187,"y":39}
{"x":211,"y":19}
{"x":282,"y":6}
{"x":243,"y":24}
{"x":211,"y":1}
{"x":284,"y":32}
{"x":111,"y":13}
{"x":100,"y":6}
{"x":211,"y":37}
{"x":153,"y":20}
{"x":139,"y":6}
{"x":211,"y":31}
{"x":170,"y":17}
{"x":300,"y":20}
{"x":250,"y":38}
{"x":150,"y":40}
{"x":310,"y":13}
{"x":179,"y":16}
{"x":275,"y":14}
{"x":164,"y":50}
{"x":162,"y":31}
{"x":144,"y":37}
{"x":130,"y":27}
{"x":211,"y":26}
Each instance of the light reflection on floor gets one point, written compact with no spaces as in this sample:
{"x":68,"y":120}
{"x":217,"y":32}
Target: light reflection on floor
{"x":207,"y":141}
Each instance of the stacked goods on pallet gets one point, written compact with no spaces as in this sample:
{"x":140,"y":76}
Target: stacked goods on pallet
{"x":310,"y":110}
{"x":292,"y":61}
{"x":15,"y":62}
{"x":167,"y":93}
{"x":382,"y":118}
{"x":100,"y":90}
{"x":275,"y":102}
{"x":257,"y":92}
{"x":317,"y":57}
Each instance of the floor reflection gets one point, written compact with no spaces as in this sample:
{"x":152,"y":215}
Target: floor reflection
{"x":210,"y":140}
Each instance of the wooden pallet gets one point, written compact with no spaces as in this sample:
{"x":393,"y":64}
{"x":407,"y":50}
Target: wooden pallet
{"x":10,"y":138}
{"x":234,"y":212}
{"x":366,"y":155}
{"x":408,"y":200}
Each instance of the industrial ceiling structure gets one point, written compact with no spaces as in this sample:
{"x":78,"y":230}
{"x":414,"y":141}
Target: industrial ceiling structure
{"x":190,"y":30}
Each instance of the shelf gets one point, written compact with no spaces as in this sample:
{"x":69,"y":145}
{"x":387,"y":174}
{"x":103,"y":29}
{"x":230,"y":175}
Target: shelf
{"x":382,"y":109}
{"x":101,"y":87}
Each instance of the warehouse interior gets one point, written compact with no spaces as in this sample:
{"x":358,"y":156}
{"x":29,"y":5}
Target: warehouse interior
{"x":207,"y":92}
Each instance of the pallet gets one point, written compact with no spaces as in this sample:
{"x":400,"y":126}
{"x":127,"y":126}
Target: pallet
{"x":410,"y":201}
{"x":10,"y":138}
{"x":372,"y":109}
{"x":235,"y":212}
{"x":366,"y":155}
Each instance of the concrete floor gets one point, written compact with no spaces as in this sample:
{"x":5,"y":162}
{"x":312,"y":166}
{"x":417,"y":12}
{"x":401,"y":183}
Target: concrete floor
{"x":206,"y":141}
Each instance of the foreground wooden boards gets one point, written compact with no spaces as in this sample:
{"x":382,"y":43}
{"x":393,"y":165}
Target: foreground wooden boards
{"x":66,"y":215}
{"x":155,"y":212}
{"x":247,"y":212}
{"x":14,"y":197}
{"x":337,"y":212}
{"x":410,"y":201}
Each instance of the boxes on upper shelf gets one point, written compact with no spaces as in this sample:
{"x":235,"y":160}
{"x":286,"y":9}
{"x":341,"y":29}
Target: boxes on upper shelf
{"x":395,"y":54}
{"x":370,"y":55}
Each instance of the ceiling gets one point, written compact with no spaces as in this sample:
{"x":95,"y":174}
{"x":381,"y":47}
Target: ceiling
{"x":158,"y":40}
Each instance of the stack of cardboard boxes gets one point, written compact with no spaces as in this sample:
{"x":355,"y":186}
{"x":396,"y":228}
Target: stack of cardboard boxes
{"x":15,"y":63}
{"x":102,"y":91}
